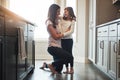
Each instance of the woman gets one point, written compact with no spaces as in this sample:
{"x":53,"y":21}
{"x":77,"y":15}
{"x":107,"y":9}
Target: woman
{"x":67,"y":28}
{"x":60,"y":56}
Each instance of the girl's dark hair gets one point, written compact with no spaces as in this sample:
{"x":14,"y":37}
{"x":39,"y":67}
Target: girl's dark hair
{"x":71,"y":13}
{"x":52,"y":12}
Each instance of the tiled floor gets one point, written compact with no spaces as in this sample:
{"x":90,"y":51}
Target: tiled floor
{"x":81,"y":72}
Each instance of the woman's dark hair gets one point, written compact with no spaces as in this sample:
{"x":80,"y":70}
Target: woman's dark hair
{"x":52,"y":12}
{"x":71,"y":14}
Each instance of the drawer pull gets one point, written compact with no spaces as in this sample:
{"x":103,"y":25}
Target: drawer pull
{"x":115,"y":47}
{"x":102,"y":44}
{"x":112,"y":30}
{"x":31,"y":30}
{"x":104,"y":31}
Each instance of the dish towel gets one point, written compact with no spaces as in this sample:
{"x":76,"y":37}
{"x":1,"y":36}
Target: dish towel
{"x":21,"y":43}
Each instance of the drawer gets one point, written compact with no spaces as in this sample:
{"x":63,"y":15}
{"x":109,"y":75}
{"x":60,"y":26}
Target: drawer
{"x":102,"y":31}
{"x":99,"y":31}
{"x":113,"y":29}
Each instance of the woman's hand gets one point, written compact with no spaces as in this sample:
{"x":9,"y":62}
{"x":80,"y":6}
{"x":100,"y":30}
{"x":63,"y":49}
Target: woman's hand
{"x":53,"y":33}
{"x":61,"y":35}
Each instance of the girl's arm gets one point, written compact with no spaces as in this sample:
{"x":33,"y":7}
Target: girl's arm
{"x":70,"y":29}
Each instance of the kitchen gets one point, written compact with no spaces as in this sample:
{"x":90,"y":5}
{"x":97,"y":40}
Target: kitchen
{"x":90,"y":14}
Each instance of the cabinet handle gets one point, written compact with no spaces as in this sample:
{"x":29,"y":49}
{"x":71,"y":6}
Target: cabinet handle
{"x":31,"y":30}
{"x":115,"y":47}
{"x":99,"y":32}
{"x":102,"y":44}
{"x":118,"y":48}
{"x":112,"y":30}
{"x":104,"y":31}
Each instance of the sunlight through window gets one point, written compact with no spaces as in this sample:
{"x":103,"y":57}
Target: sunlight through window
{"x":34,"y":11}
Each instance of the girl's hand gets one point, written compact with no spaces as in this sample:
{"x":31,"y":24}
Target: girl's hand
{"x":68,"y":29}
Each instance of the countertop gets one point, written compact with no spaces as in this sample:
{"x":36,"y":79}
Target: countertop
{"x":6,"y":11}
{"x":110,"y":22}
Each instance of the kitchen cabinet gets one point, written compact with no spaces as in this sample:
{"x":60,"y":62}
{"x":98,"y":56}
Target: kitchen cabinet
{"x":112,"y":57}
{"x":1,"y":43}
{"x":21,"y":62}
{"x":30,"y":48}
{"x":1,"y":50}
{"x":118,"y":52}
{"x":112,"y":68}
{"x":12,"y":65}
{"x":107,"y":50}
{"x":102,"y":48}
{"x":1,"y":25}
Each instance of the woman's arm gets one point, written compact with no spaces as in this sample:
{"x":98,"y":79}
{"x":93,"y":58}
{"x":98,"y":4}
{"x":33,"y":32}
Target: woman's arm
{"x":53,"y":32}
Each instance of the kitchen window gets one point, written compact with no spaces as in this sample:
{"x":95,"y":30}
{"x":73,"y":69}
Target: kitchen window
{"x":35,"y":11}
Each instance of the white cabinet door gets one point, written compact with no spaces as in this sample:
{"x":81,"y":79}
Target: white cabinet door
{"x":112,"y":57}
{"x":99,"y":52}
{"x":102,"y":53}
{"x":118,"y":69}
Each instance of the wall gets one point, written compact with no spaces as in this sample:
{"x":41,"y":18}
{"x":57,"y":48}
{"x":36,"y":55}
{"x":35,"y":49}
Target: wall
{"x":106,"y":11}
{"x":81,"y":46}
{"x":41,"y":50}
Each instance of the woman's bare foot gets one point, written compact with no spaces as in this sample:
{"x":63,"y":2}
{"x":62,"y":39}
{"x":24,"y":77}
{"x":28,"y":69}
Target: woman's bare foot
{"x":43,"y":66}
{"x":50,"y":66}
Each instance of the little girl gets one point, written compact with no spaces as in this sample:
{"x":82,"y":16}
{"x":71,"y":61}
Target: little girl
{"x":66,"y":26}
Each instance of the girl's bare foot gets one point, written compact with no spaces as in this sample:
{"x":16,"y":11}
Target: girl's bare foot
{"x":67,"y":71}
{"x":71,"y":71}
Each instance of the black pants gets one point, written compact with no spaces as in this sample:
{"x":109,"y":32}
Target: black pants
{"x":60,"y":57}
{"x":67,"y":44}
